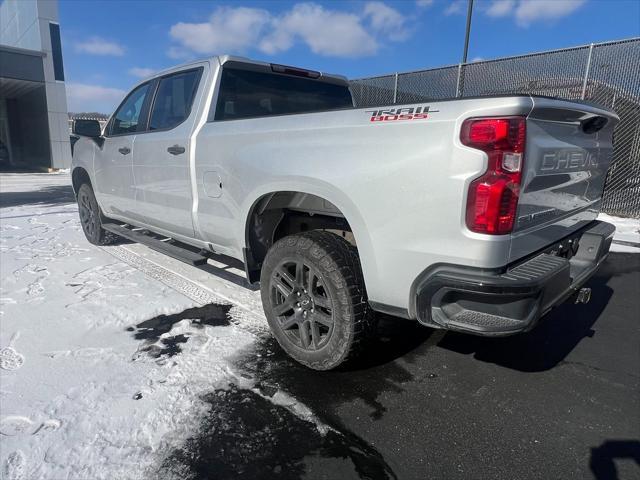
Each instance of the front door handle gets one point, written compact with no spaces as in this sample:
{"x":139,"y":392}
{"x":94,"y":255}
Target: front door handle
{"x":175,"y":150}
{"x":124,"y":150}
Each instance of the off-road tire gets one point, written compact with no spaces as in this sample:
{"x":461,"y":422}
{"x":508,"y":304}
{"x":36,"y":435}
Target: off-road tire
{"x":338,"y":281}
{"x":91,"y":217}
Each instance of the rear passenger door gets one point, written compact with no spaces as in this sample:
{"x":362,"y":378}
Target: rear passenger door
{"x":161,"y":165}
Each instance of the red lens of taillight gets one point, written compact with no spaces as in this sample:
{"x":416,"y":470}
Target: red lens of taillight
{"x":492,"y":200}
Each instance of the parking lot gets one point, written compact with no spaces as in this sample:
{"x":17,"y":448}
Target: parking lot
{"x":134,"y":365}
{"x":559,"y":402}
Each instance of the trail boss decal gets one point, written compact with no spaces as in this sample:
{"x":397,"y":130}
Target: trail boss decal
{"x":401,"y":113}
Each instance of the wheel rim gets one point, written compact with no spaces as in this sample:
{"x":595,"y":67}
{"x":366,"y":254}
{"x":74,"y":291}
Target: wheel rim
{"x":301,"y":304}
{"x":88,"y":217}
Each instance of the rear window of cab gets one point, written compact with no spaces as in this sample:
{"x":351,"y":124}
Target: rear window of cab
{"x":251,"y":94}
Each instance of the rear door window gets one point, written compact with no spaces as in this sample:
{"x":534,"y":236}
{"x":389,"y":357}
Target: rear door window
{"x":248,"y":94}
{"x":173,"y":101}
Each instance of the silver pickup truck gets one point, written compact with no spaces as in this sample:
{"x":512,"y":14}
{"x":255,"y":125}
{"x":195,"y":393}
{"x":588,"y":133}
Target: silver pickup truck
{"x":476,"y":215}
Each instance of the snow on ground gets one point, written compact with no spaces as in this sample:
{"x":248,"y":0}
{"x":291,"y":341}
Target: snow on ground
{"x":627,"y":236}
{"x":104,"y":354}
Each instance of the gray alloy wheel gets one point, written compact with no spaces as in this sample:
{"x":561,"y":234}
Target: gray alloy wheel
{"x":91,"y":217}
{"x":301,"y":304}
{"x":314,"y":299}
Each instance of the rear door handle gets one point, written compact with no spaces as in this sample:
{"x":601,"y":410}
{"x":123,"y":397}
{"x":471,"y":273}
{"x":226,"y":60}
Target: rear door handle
{"x":124,"y":150}
{"x":175,"y":150}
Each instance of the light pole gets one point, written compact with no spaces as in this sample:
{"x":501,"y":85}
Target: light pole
{"x":466,"y":37}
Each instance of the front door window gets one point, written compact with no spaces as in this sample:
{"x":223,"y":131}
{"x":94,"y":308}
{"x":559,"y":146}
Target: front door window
{"x":127,"y":117}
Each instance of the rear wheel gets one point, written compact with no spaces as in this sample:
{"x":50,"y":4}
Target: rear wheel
{"x":91,"y":217}
{"x":314,"y":299}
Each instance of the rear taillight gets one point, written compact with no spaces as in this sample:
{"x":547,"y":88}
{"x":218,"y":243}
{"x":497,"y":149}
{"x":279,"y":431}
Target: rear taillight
{"x":493,"y":198}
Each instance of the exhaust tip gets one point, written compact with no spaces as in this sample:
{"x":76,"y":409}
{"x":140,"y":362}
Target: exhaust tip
{"x":583,"y":295}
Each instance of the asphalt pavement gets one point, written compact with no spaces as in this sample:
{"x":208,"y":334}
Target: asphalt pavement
{"x":560,"y":402}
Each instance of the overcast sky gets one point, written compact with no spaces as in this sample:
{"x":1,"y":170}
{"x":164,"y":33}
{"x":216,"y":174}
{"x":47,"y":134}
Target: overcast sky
{"x":109,"y":45}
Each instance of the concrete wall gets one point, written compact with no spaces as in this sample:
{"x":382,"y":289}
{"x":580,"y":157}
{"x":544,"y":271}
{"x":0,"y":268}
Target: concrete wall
{"x":19,"y":25}
{"x":25,"y":24}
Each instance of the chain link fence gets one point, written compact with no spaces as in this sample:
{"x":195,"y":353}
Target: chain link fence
{"x":607,"y":74}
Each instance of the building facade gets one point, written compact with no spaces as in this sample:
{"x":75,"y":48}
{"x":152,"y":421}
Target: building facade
{"x":34,"y":131}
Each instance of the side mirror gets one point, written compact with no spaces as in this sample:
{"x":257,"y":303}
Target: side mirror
{"x":87,"y":128}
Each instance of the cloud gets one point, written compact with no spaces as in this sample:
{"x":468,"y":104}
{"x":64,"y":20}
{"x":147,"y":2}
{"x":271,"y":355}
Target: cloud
{"x":100,"y":46}
{"x":386,"y":20}
{"x":92,"y":98}
{"x":228,"y":30}
{"x":529,"y":11}
{"x":424,"y":3}
{"x":477,"y":59}
{"x":324,"y":31}
{"x":500,"y":8}
{"x":141,"y":72}
{"x":456,"y":8}
{"x":179,"y":53}
{"x":526,"y":12}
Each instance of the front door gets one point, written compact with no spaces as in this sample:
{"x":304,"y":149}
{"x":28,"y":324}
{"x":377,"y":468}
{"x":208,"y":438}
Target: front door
{"x":113,"y":162}
{"x":161,"y":165}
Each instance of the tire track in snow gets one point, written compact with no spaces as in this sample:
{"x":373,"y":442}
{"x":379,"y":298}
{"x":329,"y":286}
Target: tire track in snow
{"x":240,"y":316}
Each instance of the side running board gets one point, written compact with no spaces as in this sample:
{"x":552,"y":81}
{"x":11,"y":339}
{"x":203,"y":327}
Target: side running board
{"x":176,"y":250}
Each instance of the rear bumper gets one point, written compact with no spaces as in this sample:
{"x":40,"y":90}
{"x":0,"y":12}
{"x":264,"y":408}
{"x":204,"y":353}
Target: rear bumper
{"x":498,"y":303}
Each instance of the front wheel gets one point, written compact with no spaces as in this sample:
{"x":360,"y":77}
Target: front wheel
{"x":91,"y":217}
{"x":314,"y":299}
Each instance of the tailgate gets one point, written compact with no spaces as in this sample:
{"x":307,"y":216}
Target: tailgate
{"x":568,"y":151}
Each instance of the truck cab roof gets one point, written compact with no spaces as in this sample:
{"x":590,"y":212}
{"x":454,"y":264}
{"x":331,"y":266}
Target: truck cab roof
{"x":258,"y":65}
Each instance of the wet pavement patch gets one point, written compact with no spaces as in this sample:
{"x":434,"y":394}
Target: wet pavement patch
{"x":385,"y":368}
{"x":246,"y":436}
{"x":152,"y":331}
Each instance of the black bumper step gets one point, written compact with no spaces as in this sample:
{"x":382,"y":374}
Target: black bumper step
{"x":178,"y":251}
{"x":484,"y":321}
{"x":486,"y":302}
